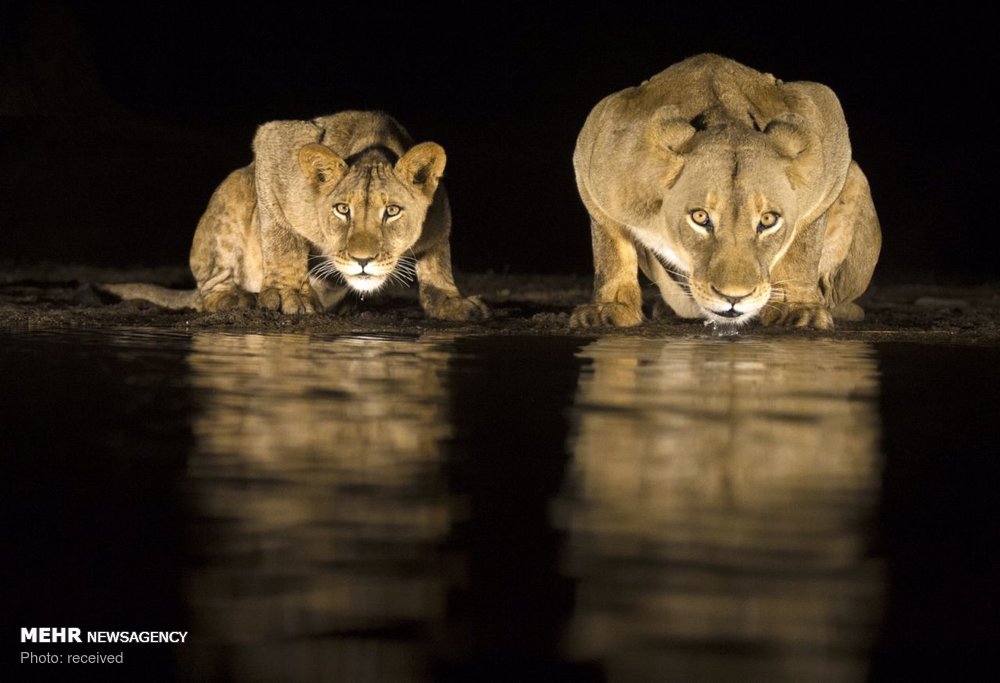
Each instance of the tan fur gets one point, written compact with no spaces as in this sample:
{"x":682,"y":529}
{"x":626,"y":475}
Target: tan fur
{"x":711,"y":134}
{"x":271,"y":229}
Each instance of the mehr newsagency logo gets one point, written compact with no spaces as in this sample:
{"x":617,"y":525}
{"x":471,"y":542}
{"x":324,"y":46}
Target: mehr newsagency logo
{"x":50,"y":634}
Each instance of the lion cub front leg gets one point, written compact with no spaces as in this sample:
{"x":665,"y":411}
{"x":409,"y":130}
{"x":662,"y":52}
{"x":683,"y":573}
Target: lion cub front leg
{"x":285,"y":286}
{"x":218,"y":251}
{"x":617,"y":298}
{"x":439,"y":297}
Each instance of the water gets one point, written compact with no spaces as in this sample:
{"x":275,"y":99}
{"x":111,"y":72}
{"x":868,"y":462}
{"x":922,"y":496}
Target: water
{"x":380,"y":508}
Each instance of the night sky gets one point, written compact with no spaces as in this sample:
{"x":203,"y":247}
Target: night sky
{"x":118,"y":121}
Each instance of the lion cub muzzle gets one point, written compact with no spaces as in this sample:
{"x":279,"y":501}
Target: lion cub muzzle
{"x":365,"y":273}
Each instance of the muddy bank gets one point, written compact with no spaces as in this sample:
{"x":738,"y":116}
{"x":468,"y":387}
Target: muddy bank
{"x":56,"y":295}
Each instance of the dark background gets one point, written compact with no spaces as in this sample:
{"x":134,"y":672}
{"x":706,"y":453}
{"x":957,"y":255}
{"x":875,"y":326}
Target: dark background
{"x":117,"y":121}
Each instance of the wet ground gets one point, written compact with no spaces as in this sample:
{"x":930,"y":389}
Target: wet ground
{"x":378,"y":497}
{"x":50,"y":295}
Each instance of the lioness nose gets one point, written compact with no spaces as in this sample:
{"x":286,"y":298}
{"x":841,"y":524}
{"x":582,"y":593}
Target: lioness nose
{"x":362,"y":262}
{"x":731,"y":297}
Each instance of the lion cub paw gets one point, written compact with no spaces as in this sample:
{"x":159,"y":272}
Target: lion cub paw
{"x":798,"y":315}
{"x":227,"y":300}
{"x":595,"y":315}
{"x":289,"y":301}
{"x":460,"y":309}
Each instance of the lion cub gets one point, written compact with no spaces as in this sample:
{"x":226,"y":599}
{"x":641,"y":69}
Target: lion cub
{"x":338,"y":203}
{"x":734,"y":192}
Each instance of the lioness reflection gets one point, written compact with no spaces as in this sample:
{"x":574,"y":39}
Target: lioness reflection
{"x":318,"y":504}
{"x":716,"y":511}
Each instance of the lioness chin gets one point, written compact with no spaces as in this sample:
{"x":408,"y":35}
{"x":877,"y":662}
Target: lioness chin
{"x":735,"y":193}
{"x":341,"y":202}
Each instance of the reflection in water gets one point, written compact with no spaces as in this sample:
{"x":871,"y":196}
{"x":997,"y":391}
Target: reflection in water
{"x":318,"y":506}
{"x":717,"y":506}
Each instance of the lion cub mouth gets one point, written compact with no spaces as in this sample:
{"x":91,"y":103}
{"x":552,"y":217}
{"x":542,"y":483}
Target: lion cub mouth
{"x":364,"y":282}
{"x":361,"y":277}
{"x":369,"y":276}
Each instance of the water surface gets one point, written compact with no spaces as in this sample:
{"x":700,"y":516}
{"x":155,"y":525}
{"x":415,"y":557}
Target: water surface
{"x":400,"y":508}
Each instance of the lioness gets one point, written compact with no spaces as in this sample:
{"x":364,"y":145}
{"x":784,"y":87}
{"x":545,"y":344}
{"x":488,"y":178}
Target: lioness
{"x":733,"y":191}
{"x":345,"y":197}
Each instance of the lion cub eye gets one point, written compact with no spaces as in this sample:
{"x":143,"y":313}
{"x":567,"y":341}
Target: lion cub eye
{"x":392,"y":211}
{"x":769,"y":221}
{"x":343,"y":210}
{"x":700,"y":220}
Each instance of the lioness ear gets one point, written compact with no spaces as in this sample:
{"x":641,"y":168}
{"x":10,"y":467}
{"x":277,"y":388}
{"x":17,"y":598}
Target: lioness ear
{"x":422,"y":166}
{"x":320,"y":165}
{"x":668,"y":132}
{"x":788,"y":134}
{"x":669,"y":129}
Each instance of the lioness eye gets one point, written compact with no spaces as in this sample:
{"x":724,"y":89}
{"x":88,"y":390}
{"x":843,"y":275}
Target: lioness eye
{"x":701,"y":218}
{"x":392,"y":210}
{"x":342,"y":209}
{"x":768,"y":220}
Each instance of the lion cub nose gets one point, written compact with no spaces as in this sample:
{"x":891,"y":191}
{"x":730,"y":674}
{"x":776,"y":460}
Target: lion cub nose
{"x":732,"y":297}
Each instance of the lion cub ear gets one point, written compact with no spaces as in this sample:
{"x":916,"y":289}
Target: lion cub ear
{"x":320,"y":165}
{"x":423,"y":166}
{"x":668,"y":132}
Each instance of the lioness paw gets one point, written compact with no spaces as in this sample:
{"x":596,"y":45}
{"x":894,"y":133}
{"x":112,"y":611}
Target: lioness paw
{"x":289,"y":301}
{"x":798,"y":315}
{"x":596,"y":315}
{"x":460,"y":309}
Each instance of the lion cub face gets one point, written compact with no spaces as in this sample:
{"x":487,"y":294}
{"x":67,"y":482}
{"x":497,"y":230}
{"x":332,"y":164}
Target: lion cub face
{"x":728,"y":219}
{"x":370,"y":209}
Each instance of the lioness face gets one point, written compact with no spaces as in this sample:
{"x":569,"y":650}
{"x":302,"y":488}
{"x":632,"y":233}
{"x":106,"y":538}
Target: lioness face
{"x":727,"y":220}
{"x":371,"y":212}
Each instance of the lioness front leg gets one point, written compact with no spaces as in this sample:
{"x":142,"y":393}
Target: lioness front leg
{"x":851,"y":247}
{"x":285,"y":286}
{"x":796,"y":300}
{"x":617,"y":298}
{"x":439,"y":297}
